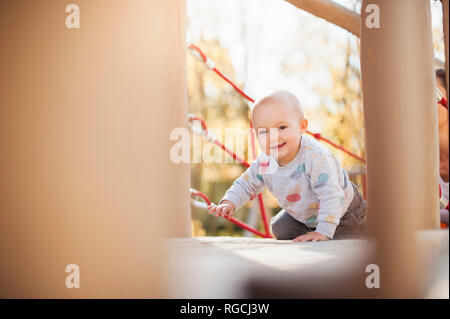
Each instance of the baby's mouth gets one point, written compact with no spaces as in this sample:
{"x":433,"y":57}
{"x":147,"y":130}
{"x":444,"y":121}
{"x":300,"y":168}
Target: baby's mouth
{"x":278,"y":146}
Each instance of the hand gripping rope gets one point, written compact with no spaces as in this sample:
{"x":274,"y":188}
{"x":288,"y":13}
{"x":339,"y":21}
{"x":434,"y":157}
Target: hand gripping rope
{"x":206,"y":202}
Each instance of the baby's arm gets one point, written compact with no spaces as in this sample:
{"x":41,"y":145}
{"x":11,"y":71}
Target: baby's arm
{"x":244,"y":189}
{"x":325,"y":183}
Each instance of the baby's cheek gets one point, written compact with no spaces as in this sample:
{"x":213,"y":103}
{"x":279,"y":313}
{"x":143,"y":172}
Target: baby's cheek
{"x":293,"y":140}
{"x":292,"y":133}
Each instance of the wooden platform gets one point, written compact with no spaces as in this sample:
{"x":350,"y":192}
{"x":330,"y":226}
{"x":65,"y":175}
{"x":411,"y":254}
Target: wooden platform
{"x":223,"y":267}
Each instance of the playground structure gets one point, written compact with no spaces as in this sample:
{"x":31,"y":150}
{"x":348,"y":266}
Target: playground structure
{"x":86,"y":177}
{"x":209,"y":136}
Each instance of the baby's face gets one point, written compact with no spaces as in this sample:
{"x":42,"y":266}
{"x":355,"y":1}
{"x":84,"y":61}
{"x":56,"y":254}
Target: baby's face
{"x":279,"y":128}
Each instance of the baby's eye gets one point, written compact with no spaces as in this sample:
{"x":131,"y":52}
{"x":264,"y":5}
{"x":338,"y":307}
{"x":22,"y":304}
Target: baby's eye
{"x":282,"y":127}
{"x":262,"y":131}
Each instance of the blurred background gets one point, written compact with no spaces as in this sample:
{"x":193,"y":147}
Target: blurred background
{"x":266,"y":45}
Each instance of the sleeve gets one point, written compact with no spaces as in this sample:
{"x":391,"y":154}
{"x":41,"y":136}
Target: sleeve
{"x":325,"y":184}
{"x":246,"y":187}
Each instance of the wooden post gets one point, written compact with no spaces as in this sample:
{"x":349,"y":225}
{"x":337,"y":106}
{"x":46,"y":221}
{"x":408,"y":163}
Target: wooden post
{"x":401,"y":131}
{"x":85,"y":118}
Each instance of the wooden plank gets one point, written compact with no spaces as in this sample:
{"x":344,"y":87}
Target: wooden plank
{"x":340,"y":16}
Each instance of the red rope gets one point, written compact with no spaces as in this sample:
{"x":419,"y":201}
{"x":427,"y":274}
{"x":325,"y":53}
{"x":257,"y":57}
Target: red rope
{"x":319,"y":137}
{"x":202,"y":122}
{"x":217,"y":142}
{"x":247,"y":227}
{"x":196,"y":193}
{"x":199,"y":51}
{"x":443,"y":102}
{"x":234,"y":86}
{"x":235,"y":221}
{"x":237,"y":158}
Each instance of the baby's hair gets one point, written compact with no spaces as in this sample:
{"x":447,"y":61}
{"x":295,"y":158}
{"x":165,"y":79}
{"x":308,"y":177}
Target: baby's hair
{"x":440,"y":74}
{"x":282,"y":96}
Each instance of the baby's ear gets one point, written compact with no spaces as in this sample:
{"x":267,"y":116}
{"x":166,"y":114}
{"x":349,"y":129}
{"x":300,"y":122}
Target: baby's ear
{"x":303,"y":125}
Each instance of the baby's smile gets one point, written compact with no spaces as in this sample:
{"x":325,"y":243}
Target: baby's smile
{"x":278,"y":146}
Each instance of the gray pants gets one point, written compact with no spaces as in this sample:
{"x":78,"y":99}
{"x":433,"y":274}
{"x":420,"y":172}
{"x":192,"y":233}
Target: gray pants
{"x":351,"y":225}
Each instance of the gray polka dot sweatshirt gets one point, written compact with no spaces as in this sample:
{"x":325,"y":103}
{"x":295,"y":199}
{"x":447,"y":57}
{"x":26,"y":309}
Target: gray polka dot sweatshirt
{"x":313,"y":187}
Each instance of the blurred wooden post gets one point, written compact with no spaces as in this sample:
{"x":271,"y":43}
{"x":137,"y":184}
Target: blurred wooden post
{"x":402,"y":143}
{"x":85,"y":118}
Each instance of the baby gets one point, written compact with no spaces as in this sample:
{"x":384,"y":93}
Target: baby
{"x":319,"y":202}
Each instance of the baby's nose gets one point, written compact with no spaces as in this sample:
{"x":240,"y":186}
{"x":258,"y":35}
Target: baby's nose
{"x":273,"y":134}
{"x":274,"y":139}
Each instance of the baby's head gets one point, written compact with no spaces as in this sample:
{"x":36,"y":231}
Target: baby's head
{"x":279,"y":123}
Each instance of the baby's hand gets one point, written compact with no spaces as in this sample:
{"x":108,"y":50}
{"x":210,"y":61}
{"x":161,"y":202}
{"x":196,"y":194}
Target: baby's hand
{"x":311,"y":236}
{"x":226,"y":208}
